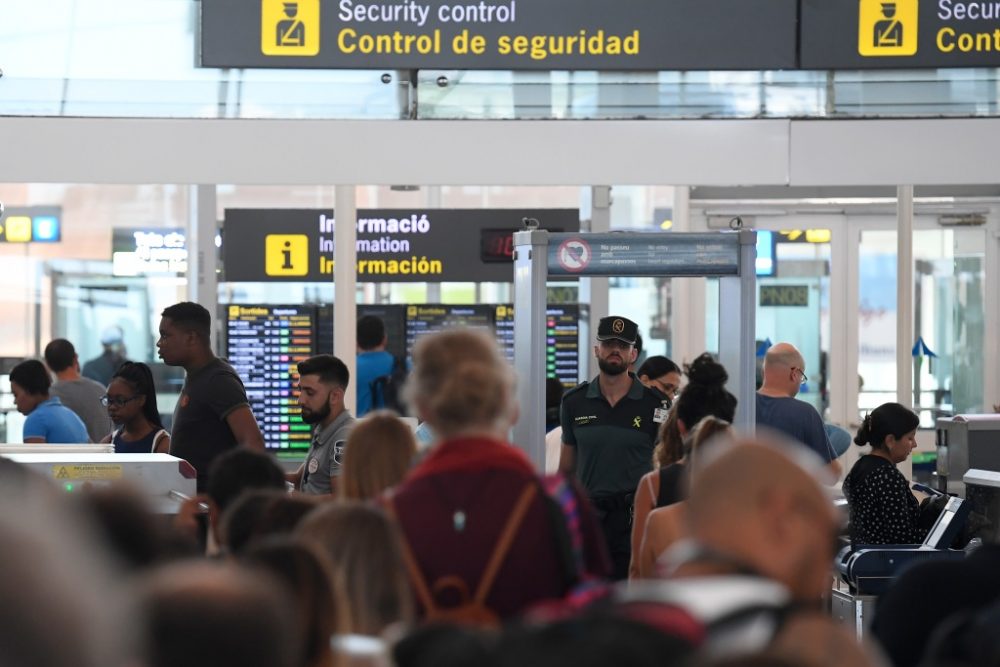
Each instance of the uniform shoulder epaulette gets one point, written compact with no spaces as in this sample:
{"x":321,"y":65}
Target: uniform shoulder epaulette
{"x":576,"y":389}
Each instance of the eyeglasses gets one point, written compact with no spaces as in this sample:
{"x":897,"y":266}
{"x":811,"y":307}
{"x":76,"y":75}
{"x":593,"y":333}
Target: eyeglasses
{"x":805,"y":378}
{"x":117,"y":402}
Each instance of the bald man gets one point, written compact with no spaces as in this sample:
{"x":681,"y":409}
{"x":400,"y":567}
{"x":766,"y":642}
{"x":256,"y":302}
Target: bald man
{"x":778,"y":409}
{"x":758,"y":557}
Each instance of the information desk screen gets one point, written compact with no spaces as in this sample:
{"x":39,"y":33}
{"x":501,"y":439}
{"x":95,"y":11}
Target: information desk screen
{"x":427,"y":319}
{"x":562,"y":340}
{"x":264,"y":345}
{"x":394,"y":318}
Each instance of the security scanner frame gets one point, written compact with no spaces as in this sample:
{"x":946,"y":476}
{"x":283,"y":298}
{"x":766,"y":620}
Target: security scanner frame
{"x":965,"y":442}
{"x":867,"y":571}
{"x":538,"y":254}
{"x":166,"y":481}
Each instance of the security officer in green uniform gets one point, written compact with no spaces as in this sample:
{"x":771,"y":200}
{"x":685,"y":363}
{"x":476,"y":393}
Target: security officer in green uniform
{"x":609,"y":428}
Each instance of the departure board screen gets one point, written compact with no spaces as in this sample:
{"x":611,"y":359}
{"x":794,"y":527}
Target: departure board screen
{"x":431,"y":318}
{"x":264,"y":344}
{"x":394,"y":318}
{"x":562,"y":340}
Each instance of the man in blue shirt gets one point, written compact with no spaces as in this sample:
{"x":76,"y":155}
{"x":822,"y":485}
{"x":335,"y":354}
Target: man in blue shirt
{"x":373,"y":361}
{"x":777,"y":408}
{"x":48,"y":420}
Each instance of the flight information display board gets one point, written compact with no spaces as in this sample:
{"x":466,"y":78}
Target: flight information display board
{"x":394,"y":318}
{"x":562,"y":340}
{"x":431,"y":318}
{"x":264,"y":344}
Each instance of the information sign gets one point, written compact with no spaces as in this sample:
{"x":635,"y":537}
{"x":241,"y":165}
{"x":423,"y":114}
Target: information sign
{"x":148,"y":251}
{"x":393,"y":245}
{"x":912,"y":34}
{"x":644,"y":254}
{"x":500,"y":34}
{"x":31,"y":224}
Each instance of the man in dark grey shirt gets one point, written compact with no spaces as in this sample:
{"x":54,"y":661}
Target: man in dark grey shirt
{"x":212,"y":414}
{"x":322,"y":382}
{"x":79,"y":394}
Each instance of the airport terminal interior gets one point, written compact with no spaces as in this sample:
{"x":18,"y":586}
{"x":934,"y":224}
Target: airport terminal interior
{"x":736,"y":178}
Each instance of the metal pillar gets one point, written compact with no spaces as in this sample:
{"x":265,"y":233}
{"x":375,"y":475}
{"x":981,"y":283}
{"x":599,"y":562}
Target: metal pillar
{"x":738,"y":301}
{"x":345,"y":282}
{"x":904,"y":295}
{"x":202,"y":227}
{"x":530,"y":273}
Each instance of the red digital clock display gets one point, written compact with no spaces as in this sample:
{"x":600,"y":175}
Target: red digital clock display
{"x":497,"y":245}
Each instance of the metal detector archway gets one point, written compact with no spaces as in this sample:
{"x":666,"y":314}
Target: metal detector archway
{"x":729,"y":256}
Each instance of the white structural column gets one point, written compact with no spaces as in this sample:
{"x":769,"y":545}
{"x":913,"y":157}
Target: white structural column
{"x":904,"y":295}
{"x":202,"y":227}
{"x":843,"y":329}
{"x":345,"y":281}
{"x":991,"y":342}
{"x":687,"y":312}
{"x":594,"y":291}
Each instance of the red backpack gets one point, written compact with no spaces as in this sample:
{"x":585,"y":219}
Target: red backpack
{"x":472,"y":611}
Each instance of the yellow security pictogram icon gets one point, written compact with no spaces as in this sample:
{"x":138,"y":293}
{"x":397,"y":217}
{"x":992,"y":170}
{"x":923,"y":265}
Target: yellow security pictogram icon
{"x":286,"y":254}
{"x":887,"y":27}
{"x":289,"y":27}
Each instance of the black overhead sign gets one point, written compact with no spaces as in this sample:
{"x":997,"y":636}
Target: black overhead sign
{"x":626,"y":35}
{"x":403,"y":245}
{"x":860,"y":34}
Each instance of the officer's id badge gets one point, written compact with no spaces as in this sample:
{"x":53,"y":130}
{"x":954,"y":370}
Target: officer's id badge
{"x":660,"y":414}
{"x":313,"y":465}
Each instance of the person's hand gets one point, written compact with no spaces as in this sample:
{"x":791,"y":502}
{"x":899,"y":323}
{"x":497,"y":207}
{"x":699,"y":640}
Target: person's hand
{"x":186,"y":520}
{"x":996,"y":407}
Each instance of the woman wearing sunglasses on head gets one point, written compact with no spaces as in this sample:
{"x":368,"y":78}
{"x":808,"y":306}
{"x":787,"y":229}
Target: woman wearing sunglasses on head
{"x":131,"y":404}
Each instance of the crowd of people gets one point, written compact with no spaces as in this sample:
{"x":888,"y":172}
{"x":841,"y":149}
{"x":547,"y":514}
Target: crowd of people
{"x":665,"y":537}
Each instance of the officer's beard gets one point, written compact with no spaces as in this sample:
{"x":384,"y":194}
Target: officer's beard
{"x":609,"y":367}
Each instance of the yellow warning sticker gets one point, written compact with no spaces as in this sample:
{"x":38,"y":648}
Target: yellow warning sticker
{"x":89,"y":471}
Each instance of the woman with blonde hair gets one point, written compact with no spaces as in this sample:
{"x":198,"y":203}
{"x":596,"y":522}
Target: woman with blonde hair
{"x":481,"y":538}
{"x":361,"y":546}
{"x":379,"y":453}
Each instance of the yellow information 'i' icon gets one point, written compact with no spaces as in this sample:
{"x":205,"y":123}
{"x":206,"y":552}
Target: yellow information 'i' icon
{"x":887,"y":27}
{"x":286,"y":254}
{"x":289,"y":27}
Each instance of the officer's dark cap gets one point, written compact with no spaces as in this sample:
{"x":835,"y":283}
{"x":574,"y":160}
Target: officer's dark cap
{"x":617,"y":328}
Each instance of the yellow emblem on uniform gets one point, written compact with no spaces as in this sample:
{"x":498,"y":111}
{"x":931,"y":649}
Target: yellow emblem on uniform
{"x":637,"y":422}
{"x":618,"y":326}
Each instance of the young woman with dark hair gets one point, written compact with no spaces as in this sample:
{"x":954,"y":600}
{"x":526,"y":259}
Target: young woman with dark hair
{"x":881,"y":506}
{"x":131,"y":404}
{"x":704,"y":395}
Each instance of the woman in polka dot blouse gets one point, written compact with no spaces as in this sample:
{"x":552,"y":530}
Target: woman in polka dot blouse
{"x":882,"y":508}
